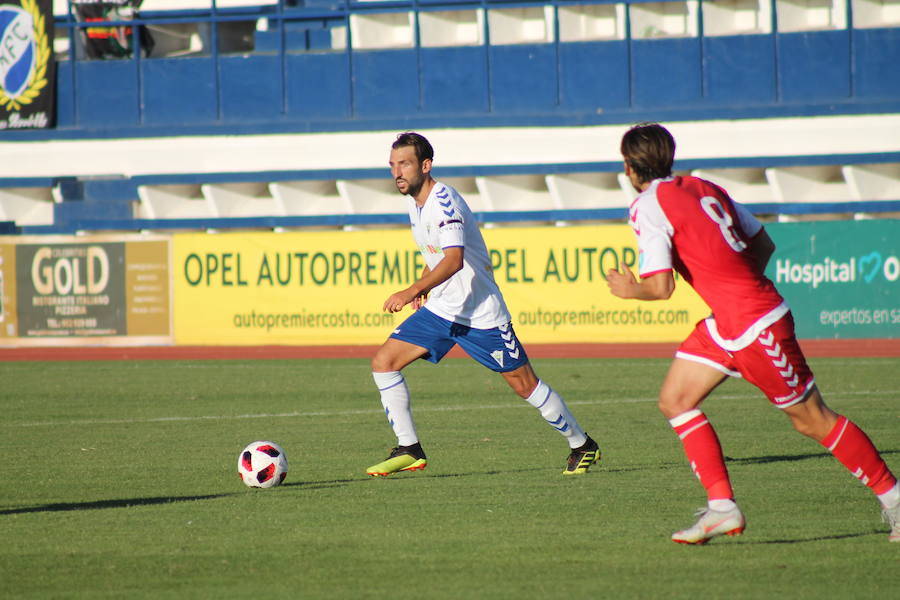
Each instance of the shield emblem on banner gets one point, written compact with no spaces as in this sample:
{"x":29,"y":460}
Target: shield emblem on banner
{"x":24,"y":54}
{"x":17,"y":50}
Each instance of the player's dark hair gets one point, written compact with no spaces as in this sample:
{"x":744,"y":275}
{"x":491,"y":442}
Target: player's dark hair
{"x":417,"y":141}
{"x":649,"y":149}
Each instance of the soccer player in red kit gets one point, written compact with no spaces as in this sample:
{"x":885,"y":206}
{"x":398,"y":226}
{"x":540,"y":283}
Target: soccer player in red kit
{"x":692,"y":226}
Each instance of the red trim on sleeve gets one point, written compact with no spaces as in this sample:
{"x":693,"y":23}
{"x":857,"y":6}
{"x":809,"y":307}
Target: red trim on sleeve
{"x":645,"y":275}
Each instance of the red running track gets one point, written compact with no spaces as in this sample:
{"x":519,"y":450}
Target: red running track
{"x":812,"y":348}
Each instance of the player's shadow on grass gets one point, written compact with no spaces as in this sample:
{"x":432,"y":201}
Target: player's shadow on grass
{"x":476,"y":473}
{"x":303,"y":485}
{"x":757,"y":460}
{"x":319,"y":485}
{"x":821,"y":538}
{"x":127,"y":502}
{"x":315,"y":485}
{"x":101,"y":504}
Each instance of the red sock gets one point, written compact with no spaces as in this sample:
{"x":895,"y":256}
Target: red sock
{"x":850,"y":445}
{"x":701,"y":444}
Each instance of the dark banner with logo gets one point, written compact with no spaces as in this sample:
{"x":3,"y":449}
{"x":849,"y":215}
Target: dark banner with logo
{"x":71,"y":289}
{"x":27,"y":75}
{"x":96,"y":288}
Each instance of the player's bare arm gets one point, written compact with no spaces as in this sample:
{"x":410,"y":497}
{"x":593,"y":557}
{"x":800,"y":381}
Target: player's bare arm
{"x":623,"y":284}
{"x":450,"y":264}
{"x":419,"y":301}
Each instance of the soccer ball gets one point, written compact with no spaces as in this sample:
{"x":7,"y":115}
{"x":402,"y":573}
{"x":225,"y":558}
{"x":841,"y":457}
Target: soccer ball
{"x":262,"y":465}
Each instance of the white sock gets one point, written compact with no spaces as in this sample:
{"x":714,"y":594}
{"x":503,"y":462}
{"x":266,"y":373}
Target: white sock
{"x":890,"y":498}
{"x":721,"y":505}
{"x":554,"y":410}
{"x":395,"y":400}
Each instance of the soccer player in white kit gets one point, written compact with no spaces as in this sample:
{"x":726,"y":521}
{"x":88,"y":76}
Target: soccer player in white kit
{"x":692,"y":226}
{"x":456,"y":301}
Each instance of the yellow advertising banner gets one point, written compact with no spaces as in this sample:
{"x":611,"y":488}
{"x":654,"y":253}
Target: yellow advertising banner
{"x":328,"y":287}
{"x":8,"y":312}
{"x":554,"y":282}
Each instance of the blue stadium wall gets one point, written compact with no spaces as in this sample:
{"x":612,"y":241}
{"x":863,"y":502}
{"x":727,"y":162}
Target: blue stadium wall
{"x":290,"y":80}
{"x":283,"y":76}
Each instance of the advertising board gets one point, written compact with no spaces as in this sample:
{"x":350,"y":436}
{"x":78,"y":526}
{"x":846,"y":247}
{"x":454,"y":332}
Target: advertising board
{"x":328,"y":287}
{"x":104,"y":290}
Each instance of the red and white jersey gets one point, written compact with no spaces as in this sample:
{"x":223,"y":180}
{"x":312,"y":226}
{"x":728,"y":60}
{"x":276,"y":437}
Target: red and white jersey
{"x":693,"y":226}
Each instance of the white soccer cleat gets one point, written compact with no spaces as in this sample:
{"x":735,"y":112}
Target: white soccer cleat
{"x":712,"y":523}
{"x":891,"y":516}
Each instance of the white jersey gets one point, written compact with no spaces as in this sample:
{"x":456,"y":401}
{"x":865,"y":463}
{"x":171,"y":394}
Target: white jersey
{"x":470,"y":296}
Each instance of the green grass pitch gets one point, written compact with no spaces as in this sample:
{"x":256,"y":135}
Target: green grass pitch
{"x":118,"y":480}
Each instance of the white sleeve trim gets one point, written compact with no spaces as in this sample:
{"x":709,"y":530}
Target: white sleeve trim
{"x":750,"y":225}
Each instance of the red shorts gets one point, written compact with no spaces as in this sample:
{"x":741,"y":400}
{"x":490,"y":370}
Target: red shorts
{"x":773,"y":362}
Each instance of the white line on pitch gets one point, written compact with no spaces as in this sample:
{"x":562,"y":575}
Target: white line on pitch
{"x":324,"y":413}
{"x":367,"y":411}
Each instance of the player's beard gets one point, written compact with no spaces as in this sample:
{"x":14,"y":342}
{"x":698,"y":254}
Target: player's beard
{"x":412,"y":187}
